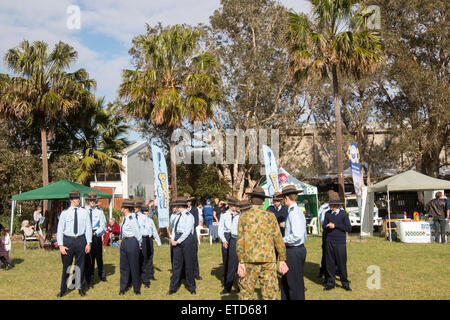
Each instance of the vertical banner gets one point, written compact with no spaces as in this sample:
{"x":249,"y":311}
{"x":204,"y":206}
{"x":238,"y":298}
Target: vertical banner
{"x":270,"y":164}
{"x":355,"y":164}
{"x":358,"y":182}
{"x":161,"y":186}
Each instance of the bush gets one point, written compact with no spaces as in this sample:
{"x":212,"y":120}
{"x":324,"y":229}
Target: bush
{"x":5,"y":221}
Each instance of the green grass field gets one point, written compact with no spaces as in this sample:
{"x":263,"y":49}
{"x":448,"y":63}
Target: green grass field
{"x":408,"y":271}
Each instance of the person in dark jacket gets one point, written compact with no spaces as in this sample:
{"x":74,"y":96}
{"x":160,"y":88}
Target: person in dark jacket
{"x":437,"y":208}
{"x":336,"y":224}
{"x":279,"y":210}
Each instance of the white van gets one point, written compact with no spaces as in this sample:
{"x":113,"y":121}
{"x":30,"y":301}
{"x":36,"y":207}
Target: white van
{"x":351,"y":206}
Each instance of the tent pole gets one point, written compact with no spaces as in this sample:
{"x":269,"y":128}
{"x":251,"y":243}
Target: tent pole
{"x":12,"y":217}
{"x":111,"y":201}
{"x":389,"y":215}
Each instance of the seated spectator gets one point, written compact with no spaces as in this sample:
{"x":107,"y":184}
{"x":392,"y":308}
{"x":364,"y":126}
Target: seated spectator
{"x":112,"y":231}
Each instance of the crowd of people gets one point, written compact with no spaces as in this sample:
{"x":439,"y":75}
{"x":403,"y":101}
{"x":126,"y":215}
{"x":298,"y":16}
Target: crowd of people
{"x":253,"y":241}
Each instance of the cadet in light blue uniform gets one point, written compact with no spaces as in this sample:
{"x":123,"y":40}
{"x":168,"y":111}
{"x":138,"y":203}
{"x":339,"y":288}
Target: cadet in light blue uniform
{"x":182,"y":241}
{"x":232,"y":259}
{"x":293,"y":285}
{"x":141,"y":219}
{"x":129,"y":249}
{"x":194,"y":211}
{"x":98,"y":221}
{"x":74,"y":236}
{"x":146,"y":226}
{"x":224,"y":231}
{"x":321,"y":215}
{"x":153,"y":235}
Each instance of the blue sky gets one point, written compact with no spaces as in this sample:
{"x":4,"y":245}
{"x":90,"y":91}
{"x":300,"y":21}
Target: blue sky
{"x":107,"y":28}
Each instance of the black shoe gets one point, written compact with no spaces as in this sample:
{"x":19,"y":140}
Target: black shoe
{"x":198,"y":278}
{"x":103,"y":279}
{"x":327,"y":288}
{"x":121,"y":293}
{"x":347,"y":288}
{"x":91,"y":286}
{"x":81,"y":292}
{"x":193,"y":292}
{"x":60,"y":294}
{"x":138,"y":293}
{"x":224,"y":291}
{"x":147,"y":285}
{"x":170,"y":292}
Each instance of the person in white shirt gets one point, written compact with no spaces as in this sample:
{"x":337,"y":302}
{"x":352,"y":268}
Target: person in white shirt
{"x":37,"y":215}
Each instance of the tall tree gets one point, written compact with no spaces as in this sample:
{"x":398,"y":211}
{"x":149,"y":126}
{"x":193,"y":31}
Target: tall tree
{"x":413,"y":93}
{"x":171,"y":83}
{"x":43,"y":93}
{"x":334,"y":41}
{"x":99,"y":139}
{"x":257,"y":92}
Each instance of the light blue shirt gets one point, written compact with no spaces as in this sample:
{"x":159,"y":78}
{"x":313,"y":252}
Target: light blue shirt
{"x":143,"y":223}
{"x":66,"y":224}
{"x":154,"y":232}
{"x":234,"y":224}
{"x":182,"y":223}
{"x":130,"y":228}
{"x":323,"y":208}
{"x":224,"y":225}
{"x":98,"y":220}
{"x":295,"y":231}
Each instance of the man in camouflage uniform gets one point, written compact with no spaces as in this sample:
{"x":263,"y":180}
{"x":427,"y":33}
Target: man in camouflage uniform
{"x":258,"y":236}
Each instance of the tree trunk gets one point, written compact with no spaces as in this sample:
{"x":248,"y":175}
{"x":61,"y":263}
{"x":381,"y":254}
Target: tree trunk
{"x":337,"y":114}
{"x":44,"y":164}
{"x":173,"y":170}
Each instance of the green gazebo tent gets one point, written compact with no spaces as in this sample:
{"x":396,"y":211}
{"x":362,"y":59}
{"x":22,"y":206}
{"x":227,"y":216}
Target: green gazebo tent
{"x":57,"y":190}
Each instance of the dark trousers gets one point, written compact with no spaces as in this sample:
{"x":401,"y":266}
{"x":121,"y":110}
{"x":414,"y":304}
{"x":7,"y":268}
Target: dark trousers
{"x":75,"y":250}
{"x":232,"y":264}
{"x":129,"y":264}
{"x":292,"y":283}
{"x":147,"y":264}
{"x":336,"y":256}
{"x":183,"y":254}
{"x":439,"y":229}
{"x":196,"y":266}
{"x":96,"y":254}
{"x":323,"y":262}
{"x":225,"y":257}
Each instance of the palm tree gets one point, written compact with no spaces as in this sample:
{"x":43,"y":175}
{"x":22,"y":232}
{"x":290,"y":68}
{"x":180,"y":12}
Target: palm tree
{"x":171,"y":83}
{"x":336,"y":41}
{"x":42,"y":93}
{"x":99,"y":139}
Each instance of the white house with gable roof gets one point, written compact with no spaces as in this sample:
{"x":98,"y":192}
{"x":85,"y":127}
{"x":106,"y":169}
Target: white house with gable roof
{"x":135,"y":181}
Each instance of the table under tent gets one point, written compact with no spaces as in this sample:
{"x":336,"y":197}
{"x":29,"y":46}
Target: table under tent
{"x":404,"y":182}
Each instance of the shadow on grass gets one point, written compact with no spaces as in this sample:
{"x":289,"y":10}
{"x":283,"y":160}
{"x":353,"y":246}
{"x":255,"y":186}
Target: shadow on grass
{"x":16,"y":261}
{"x":218,"y":272}
{"x":311,"y":270}
{"x":110,"y":269}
